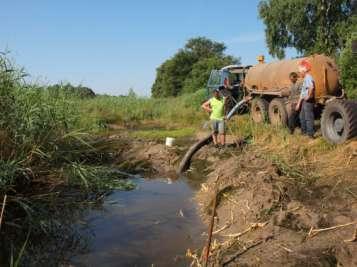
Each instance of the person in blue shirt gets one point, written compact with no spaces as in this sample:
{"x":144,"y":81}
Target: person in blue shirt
{"x":306,"y":100}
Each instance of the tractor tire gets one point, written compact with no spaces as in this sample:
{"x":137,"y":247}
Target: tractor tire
{"x":339,"y":121}
{"x":278,"y":115}
{"x":259,"y":110}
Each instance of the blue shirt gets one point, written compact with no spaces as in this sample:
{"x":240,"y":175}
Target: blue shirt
{"x":307,"y":83}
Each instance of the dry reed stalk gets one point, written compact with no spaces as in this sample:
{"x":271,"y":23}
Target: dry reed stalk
{"x":208,"y":246}
{"x":354,"y":237}
{"x":253,"y":226}
{"x":2,"y":210}
{"x":314,"y":232}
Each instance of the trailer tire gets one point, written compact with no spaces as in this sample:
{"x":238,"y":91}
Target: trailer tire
{"x":259,"y":110}
{"x":339,"y":121}
{"x":278,"y":115}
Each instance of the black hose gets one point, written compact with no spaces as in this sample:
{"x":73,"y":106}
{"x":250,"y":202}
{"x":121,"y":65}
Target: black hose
{"x":186,"y":161}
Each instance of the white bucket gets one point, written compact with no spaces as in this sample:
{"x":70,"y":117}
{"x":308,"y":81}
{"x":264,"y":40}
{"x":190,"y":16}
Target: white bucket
{"x":170,"y":141}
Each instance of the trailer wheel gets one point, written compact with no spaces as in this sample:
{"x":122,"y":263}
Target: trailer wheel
{"x":339,"y":121}
{"x":278,"y":114}
{"x":259,"y":110}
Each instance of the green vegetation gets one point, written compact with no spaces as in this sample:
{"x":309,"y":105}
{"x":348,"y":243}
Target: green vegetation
{"x":44,"y":156}
{"x":133,"y":111}
{"x":308,"y":26}
{"x":348,"y":67}
{"x":188,"y":70}
{"x":70,"y":90}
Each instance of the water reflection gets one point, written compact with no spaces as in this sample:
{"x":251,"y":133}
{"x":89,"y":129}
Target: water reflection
{"x":153,"y":224}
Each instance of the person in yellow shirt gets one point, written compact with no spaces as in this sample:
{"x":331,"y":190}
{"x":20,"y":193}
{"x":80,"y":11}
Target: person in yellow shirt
{"x":215,"y":106}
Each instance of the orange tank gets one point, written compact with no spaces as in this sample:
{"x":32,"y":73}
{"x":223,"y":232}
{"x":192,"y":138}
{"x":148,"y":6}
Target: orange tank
{"x":275,"y":76}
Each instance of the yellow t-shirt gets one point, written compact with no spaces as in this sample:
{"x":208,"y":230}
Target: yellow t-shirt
{"x":217,"y":106}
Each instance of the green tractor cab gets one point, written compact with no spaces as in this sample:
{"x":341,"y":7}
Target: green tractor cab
{"x":230,"y":81}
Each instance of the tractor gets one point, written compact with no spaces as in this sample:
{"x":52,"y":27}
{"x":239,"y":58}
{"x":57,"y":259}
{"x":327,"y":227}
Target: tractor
{"x":267,"y":88}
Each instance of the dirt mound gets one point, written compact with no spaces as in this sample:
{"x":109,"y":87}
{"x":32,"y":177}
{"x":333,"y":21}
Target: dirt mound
{"x":269,"y":214}
{"x":150,"y":158}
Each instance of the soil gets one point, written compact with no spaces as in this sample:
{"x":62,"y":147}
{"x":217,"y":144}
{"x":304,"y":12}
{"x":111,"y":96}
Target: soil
{"x":148,"y":158}
{"x":266,"y":215}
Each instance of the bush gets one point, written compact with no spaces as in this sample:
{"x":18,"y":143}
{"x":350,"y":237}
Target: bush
{"x":348,"y":67}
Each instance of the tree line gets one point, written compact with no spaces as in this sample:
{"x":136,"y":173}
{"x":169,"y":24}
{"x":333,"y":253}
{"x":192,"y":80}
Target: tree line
{"x":188,"y":70}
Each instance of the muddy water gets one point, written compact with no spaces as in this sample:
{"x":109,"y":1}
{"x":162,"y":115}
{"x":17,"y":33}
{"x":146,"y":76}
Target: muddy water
{"x":152,"y":225}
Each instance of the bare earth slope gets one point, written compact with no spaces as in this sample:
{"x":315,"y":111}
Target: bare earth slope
{"x":279,"y":203}
{"x":269,"y":213}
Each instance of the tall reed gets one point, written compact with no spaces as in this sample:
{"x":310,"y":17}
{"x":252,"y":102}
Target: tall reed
{"x":44,"y":155}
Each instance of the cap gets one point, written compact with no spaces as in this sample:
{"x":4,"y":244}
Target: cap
{"x":304,"y":65}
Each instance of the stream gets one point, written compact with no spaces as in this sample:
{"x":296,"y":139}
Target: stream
{"x":152,"y":225}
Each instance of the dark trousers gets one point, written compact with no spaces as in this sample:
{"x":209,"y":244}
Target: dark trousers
{"x":307,"y":118}
{"x":293,"y":120}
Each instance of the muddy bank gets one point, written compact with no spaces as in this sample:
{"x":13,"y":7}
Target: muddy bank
{"x":269,"y":213}
{"x":151,"y":158}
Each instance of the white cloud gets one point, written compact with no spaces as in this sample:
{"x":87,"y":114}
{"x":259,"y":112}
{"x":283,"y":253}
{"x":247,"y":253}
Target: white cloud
{"x":247,"y":38}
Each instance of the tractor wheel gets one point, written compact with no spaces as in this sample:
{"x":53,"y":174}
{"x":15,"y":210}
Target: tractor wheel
{"x":339,"y":121}
{"x":259,"y":110}
{"x":278,"y":114}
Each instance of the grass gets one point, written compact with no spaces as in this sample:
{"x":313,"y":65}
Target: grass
{"x":296,"y":153}
{"x":48,"y":159}
{"x":129,"y":112}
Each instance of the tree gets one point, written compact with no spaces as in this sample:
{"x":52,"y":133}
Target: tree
{"x":131,"y":93}
{"x":202,"y":47}
{"x":310,"y":26}
{"x":201,"y":70}
{"x":71,"y":90}
{"x":172,"y":74}
{"x":348,"y":66}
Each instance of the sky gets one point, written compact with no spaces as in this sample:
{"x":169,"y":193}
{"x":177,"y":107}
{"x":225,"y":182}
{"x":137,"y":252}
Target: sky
{"x":113,"y":45}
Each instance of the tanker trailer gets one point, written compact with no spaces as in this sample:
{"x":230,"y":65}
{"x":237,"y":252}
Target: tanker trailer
{"x":269,"y":87}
